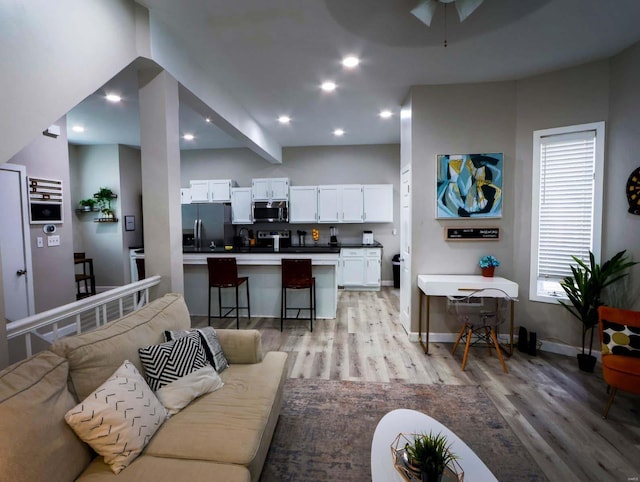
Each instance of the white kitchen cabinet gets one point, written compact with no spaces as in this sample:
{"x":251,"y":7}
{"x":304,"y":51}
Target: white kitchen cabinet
{"x":211,"y":190}
{"x":241,"y":205}
{"x":185,"y":195}
{"x":303,"y":204}
{"x":372,"y":268}
{"x":352,"y":203}
{"x":199,"y":191}
{"x":360,"y":268}
{"x":378,"y":203}
{"x":340,"y":203}
{"x":220,"y":190}
{"x":270,"y":189}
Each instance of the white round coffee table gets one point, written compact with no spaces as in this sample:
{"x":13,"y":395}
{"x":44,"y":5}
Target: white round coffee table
{"x":411,"y":421}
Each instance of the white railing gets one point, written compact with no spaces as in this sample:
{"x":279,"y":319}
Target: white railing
{"x":82,"y":315}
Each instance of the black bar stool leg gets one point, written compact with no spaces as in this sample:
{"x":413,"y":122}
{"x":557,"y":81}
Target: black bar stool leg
{"x":237,"y":310}
{"x":248,"y":301}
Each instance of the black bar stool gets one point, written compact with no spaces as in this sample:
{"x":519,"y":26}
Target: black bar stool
{"x":296,"y":274}
{"x":223,"y":273}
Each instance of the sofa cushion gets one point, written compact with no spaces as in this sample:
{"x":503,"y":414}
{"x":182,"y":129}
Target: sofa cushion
{"x":36,"y":444}
{"x":232,"y":425}
{"x":210,"y":342}
{"x":119,"y":418}
{"x":94,"y":356}
{"x":179,"y":393}
{"x":166,"y":362}
{"x":166,"y":470}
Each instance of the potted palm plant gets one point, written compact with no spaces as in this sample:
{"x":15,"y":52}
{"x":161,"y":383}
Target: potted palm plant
{"x":430,"y":454}
{"x":585,"y":292}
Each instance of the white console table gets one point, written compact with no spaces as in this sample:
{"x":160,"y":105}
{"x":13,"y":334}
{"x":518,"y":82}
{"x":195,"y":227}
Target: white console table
{"x":463,"y":285}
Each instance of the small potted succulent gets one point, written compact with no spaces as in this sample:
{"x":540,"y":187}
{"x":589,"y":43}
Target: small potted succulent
{"x":488,"y":265}
{"x":430,"y":454}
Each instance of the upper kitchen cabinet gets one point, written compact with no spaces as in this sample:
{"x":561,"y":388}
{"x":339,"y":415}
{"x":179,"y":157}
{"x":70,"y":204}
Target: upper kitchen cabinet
{"x":303,"y":204}
{"x":241,"y":205}
{"x":378,"y":203}
{"x":185,"y":195}
{"x":340,"y":204}
{"x":211,"y":191}
{"x":270,"y":189}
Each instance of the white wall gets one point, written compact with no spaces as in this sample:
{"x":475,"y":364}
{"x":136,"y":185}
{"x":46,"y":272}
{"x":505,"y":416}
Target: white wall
{"x":95,"y":167}
{"x":53,"y":269}
{"x":53,"y":55}
{"x":376,"y":164}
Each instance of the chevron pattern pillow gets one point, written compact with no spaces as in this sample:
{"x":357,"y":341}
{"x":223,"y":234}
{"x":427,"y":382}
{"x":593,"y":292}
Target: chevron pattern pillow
{"x":174,"y":359}
{"x":119,"y":418}
{"x":210,"y":343}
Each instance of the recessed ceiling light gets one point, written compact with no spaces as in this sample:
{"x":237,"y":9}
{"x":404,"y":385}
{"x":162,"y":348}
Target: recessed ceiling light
{"x":328,"y":86}
{"x":206,"y":119}
{"x":385,"y":114}
{"x":284,"y":119}
{"x":113,"y":98}
{"x":338,"y":132}
{"x":188,"y":137}
{"x":350,"y":62}
{"x":77,"y":129}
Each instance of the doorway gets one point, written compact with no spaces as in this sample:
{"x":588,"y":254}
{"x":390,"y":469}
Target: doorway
{"x":15,"y":243}
{"x":405,"y":248}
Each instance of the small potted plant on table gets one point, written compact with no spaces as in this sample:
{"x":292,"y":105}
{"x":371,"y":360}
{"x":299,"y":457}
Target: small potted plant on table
{"x":430,"y":454}
{"x":488,"y":265}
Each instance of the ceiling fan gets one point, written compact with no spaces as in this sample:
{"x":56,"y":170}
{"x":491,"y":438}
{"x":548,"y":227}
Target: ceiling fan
{"x":427,"y":8}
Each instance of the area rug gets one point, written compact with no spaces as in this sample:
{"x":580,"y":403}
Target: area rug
{"x":325,"y":429}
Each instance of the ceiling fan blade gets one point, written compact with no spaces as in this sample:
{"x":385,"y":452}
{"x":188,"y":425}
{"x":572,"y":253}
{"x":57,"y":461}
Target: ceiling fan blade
{"x":466,"y":7}
{"x":425,"y":10}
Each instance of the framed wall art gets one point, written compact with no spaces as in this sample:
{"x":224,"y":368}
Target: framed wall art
{"x":469,"y":186}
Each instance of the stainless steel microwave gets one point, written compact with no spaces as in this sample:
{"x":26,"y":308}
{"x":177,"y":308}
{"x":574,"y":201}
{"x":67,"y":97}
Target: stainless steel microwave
{"x":270,"y":212}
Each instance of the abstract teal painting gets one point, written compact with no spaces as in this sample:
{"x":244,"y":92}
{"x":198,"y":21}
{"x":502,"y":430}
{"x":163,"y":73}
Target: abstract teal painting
{"x":469,"y":186}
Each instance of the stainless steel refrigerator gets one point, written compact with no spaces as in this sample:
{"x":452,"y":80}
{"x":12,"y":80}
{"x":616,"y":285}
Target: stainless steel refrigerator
{"x":203,"y":224}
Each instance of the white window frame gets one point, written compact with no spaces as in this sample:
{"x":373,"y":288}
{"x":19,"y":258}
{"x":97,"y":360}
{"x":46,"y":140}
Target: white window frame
{"x":551,"y":291}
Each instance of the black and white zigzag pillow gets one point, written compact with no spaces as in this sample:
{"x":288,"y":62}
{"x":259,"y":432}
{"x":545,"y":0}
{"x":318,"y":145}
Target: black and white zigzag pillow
{"x":210,"y":343}
{"x":169,"y":361}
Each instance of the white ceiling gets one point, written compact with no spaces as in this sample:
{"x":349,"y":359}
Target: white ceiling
{"x":271,"y":56}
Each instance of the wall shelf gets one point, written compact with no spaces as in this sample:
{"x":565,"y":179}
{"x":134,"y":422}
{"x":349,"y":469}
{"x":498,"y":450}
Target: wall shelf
{"x":105,"y":220}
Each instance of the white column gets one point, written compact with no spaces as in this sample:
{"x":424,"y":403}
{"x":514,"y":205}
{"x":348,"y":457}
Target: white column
{"x":160,"y":152}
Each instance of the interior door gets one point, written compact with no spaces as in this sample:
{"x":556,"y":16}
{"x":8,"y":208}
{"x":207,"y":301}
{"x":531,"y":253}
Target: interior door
{"x":15,"y":245}
{"x":405,"y":249}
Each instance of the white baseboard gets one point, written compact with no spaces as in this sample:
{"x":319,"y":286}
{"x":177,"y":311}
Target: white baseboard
{"x":543,"y":345}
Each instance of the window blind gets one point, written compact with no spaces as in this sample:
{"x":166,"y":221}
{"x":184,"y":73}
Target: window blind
{"x":566,"y":212}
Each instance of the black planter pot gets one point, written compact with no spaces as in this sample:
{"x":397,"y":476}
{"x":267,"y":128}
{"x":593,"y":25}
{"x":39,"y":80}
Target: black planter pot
{"x":430,"y":477}
{"x":586,"y":363}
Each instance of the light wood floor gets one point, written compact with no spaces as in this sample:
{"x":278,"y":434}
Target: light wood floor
{"x":554,"y":409}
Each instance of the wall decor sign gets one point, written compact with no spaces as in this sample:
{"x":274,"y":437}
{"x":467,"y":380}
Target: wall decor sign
{"x":471,"y":234}
{"x":469,"y":186}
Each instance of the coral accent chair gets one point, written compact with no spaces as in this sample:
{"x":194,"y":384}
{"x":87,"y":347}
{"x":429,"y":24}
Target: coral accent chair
{"x":620,"y":339}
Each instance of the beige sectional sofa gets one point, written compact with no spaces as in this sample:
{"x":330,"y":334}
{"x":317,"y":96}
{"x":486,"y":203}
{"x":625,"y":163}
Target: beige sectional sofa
{"x":220,"y":436}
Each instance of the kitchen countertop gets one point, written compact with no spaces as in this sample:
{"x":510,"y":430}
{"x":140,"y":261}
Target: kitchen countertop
{"x":293,"y":249}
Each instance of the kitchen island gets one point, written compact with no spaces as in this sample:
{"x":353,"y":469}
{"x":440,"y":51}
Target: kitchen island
{"x":262,"y":266}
